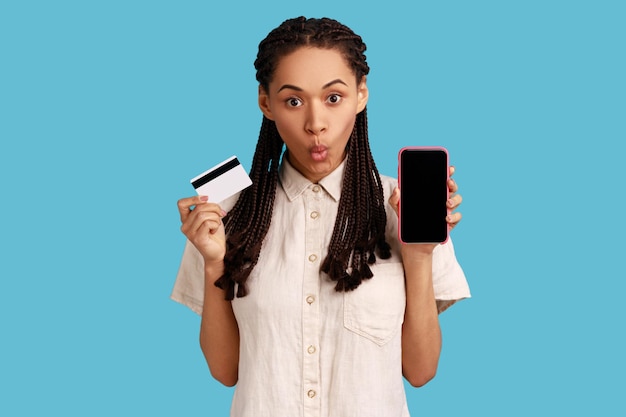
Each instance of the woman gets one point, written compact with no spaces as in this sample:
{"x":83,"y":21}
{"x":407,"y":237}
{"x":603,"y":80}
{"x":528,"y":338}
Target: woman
{"x":309,"y":302}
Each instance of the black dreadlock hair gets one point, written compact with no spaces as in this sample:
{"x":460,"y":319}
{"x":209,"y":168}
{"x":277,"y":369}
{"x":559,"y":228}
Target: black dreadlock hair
{"x":357,"y":233}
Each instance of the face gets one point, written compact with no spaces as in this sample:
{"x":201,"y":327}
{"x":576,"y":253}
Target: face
{"x":314,"y":98}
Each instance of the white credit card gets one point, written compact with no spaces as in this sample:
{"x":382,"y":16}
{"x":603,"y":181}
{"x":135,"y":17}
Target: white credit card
{"x":222,"y":181}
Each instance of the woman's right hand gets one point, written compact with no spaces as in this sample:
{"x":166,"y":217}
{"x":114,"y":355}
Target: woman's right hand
{"x":202,"y":224}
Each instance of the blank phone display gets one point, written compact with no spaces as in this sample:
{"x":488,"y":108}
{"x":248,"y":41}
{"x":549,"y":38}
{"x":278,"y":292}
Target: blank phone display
{"x":423,"y":175}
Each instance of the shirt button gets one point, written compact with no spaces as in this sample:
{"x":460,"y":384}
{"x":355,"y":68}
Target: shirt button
{"x":316,"y":189}
{"x":310,"y":299}
{"x":313,"y":257}
{"x":311,"y":349}
{"x":311,"y":393}
{"x":314,"y":214}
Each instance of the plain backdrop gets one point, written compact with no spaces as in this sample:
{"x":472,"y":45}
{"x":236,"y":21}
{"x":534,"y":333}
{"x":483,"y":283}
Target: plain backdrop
{"x":108,"y":108}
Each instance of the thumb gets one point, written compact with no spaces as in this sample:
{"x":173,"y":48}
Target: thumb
{"x":394,"y":200}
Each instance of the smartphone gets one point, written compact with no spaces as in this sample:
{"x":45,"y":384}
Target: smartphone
{"x":423,"y":181}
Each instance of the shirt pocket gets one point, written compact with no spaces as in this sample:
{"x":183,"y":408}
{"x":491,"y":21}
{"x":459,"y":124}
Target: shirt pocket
{"x":375,"y":310}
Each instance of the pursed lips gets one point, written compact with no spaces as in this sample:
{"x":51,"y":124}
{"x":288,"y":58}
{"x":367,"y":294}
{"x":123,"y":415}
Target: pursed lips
{"x":318,"y":152}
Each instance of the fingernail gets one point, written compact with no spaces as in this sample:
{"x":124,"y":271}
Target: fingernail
{"x":450,"y":203}
{"x":204,"y":198}
{"x":224,"y":213}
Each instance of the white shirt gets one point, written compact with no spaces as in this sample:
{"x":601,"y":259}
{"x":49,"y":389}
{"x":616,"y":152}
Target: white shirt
{"x":305,"y":349}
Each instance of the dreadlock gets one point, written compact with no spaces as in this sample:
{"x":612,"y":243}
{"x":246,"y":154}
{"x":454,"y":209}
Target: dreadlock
{"x":357,"y":233}
{"x":249,"y":220}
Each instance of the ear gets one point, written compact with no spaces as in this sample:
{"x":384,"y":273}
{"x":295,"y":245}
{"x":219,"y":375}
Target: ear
{"x":362,"y":94}
{"x":264,"y":103}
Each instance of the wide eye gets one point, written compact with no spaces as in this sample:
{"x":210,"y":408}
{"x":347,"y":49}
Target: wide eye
{"x":294,"y":102}
{"x":334,"y":98}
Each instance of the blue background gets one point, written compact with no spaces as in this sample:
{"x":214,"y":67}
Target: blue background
{"x":108,"y":108}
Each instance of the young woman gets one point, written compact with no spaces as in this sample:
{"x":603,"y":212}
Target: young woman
{"x":309,"y":302}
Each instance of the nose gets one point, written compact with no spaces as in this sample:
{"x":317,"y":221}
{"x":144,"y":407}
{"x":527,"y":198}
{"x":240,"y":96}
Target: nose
{"x":316,"y":123}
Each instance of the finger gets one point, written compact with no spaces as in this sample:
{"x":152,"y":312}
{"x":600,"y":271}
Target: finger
{"x":452,"y":170}
{"x":454,"y":218}
{"x":208,"y":226}
{"x":206,"y":236}
{"x":454,"y":201}
{"x":206,"y":211}
{"x":185,"y":205}
{"x":453,"y":187}
{"x":201,"y":221}
{"x":394,"y":200}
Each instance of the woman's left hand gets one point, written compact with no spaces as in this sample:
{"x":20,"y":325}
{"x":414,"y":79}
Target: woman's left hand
{"x":453,"y":203}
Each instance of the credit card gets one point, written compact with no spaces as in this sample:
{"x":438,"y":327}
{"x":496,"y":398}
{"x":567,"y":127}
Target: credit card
{"x":222,"y":181}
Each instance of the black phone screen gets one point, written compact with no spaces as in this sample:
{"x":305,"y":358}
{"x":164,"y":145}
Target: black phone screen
{"x":422,"y":177}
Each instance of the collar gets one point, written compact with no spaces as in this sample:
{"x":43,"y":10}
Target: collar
{"x":294,"y":183}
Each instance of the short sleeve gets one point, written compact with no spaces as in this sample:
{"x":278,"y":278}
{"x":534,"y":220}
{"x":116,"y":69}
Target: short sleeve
{"x":189,"y":285}
{"x":449,"y":282}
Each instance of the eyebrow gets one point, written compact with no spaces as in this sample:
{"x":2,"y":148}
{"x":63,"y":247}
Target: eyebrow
{"x":328,"y":84}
